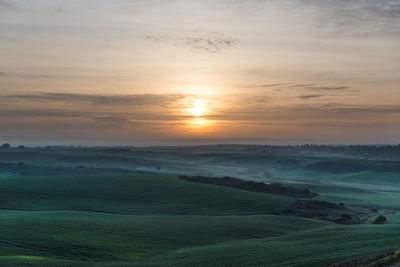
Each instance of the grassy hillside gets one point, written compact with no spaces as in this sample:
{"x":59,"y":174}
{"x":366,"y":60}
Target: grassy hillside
{"x":357,"y":173}
{"x":84,"y":236}
{"x":354,"y":196}
{"x":308,"y":248}
{"x":133,"y":194}
{"x":96,"y":216}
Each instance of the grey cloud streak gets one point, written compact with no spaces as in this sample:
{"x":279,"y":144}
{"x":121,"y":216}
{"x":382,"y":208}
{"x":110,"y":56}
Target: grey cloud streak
{"x":204,"y":42}
{"x":78,"y":114}
{"x":358,"y":17}
{"x":329,"y":88}
{"x":316,"y":87}
{"x":310,"y":96}
{"x":138,"y":99}
{"x":8,"y":5}
{"x":310,"y":111}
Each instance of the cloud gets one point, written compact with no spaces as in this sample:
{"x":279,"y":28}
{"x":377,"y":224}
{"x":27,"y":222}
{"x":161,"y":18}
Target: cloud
{"x":329,"y":88}
{"x":302,"y":85}
{"x":307,"y":86}
{"x":360,"y":109}
{"x":204,"y":42}
{"x":111,"y":120}
{"x":55,"y":119}
{"x":7,"y":5}
{"x":139,"y":99}
{"x":315,"y":87}
{"x":40,"y":118}
{"x":272,"y":84}
{"x":101,"y":110}
{"x":122,"y":120}
{"x":310,"y":96}
{"x":357,"y":17}
{"x":301,"y":112}
{"x":13,"y":113}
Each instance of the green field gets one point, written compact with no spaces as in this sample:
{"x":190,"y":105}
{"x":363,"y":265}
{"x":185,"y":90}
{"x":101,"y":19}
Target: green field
{"x":307,"y":248}
{"x":87,"y":236}
{"x":133,"y":194}
{"x":143,"y":214}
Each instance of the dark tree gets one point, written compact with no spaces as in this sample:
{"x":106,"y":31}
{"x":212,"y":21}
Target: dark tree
{"x":6,"y":146}
{"x":380,"y":220}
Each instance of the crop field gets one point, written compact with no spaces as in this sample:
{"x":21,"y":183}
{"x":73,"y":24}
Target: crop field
{"x":65,"y":206}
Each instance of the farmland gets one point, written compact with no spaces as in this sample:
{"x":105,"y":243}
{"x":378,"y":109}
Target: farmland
{"x":66,"y":206}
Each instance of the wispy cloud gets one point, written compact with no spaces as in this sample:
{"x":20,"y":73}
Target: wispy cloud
{"x":81,"y":114}
{"x":204,"y":42}
{"x":310,"y":96}
{"x":29,"y":112}
{"x":316,"y":87}
{"x":358,"y":17}
{"x":138,"y":99}
{"x":8,"y":5}
{"x":111,"y":120}
{"x":306,"y":111}
{"x":302,"y":86}
{"x":272,"y":84}
{"x":297,"y":85}
{"x":329,"y":88}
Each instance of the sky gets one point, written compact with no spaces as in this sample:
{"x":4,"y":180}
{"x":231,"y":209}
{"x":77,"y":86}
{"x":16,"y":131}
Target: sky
{"x":101,"y":72}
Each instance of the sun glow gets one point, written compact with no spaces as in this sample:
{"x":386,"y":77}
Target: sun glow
{"x":200,"y":90}
{"x":198,"y":108}
{"x":198,"y":123}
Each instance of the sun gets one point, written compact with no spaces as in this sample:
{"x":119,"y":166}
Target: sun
{"x":198,"y":108}
{"x":198,"y":123}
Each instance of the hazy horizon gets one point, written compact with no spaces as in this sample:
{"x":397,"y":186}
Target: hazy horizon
{"x":185,"y":142}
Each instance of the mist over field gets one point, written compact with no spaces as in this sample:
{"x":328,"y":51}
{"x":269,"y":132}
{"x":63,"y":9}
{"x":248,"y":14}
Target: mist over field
{"x":251,"y":205}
